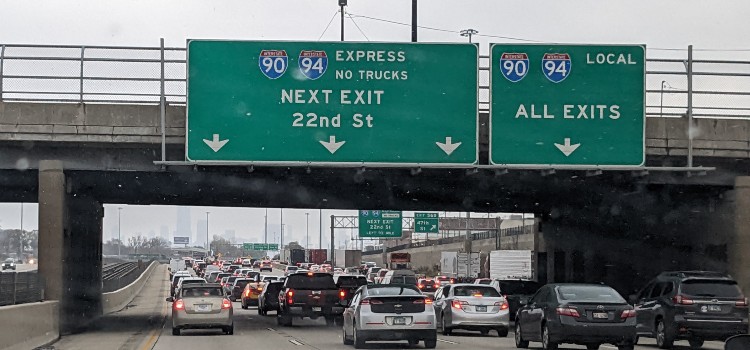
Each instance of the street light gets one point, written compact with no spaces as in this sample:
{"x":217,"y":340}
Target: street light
{"x":469,"y":32}
{"x":207,"y":244}
{"x":307,"y":230}
{"x":661,"y":96}
{"x":119,"y":232}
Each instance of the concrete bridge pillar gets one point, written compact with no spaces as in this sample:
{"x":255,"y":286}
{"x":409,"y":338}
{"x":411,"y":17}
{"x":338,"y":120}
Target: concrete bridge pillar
{"x":70,"y":243}
{"x":739,"y":246}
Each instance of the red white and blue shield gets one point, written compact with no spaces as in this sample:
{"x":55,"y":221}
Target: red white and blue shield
{"x":273,"y":63}
{"x":556,"y":66}
{"x":514,"y":66}
{"x":313,"y":64}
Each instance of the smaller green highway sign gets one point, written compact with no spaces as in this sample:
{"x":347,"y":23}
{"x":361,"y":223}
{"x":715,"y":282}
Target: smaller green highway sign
{"x":260,"y":246}
{"x":567,"y":104}
{"x":426,"y":223}
{"x":379,"y":224}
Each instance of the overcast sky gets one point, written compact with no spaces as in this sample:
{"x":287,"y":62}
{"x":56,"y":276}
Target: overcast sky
{"x":719,"y":27}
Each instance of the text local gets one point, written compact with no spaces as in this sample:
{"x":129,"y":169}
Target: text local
{"x":346,"y":97}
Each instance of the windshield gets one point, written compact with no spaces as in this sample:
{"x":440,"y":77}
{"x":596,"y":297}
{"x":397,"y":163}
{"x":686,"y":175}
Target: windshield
{"x":711,"y":289}
{"x":589,"y":294}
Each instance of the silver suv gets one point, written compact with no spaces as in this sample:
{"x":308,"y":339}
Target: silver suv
{"x":201,"y":305}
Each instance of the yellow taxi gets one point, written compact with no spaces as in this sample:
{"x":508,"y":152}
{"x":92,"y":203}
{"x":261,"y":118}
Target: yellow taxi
{"x":252,"y":290}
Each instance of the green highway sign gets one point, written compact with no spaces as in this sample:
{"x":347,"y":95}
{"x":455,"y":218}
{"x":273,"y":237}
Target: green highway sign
{"x":273,"y":246}
{"x":248,"y":246}
{"x":260,"y":246}
{"x":379,"y":224}
{"x":567,"y":105}
{"x":332,"y":102}
{"x":426,"y":223}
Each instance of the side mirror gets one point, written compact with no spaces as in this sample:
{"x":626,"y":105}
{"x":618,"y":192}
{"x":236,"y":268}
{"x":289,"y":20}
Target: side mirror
{"x":170,"y":299}
{"x":738,"y":342}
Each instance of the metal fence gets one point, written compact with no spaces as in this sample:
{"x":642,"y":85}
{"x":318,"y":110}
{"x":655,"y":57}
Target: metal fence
{"x":20,"y":287}
{"x":677,"y":83}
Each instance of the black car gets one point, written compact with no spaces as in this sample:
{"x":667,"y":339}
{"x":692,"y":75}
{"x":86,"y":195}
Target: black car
{"x":238,"y":285}
{"x":348,"y":284}
{"x":585,"y":314}
{"x":428,"y":286}
{"x":268,"y":300}
{"x":515,"y":291}
{"x":690,"y":305}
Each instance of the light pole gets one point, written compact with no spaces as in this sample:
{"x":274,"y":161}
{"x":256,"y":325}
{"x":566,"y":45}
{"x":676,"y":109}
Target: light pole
{"x":265,"y":218}
{"x":281,"y":240}
{"x":207,"y":244}
{"x":469,"y":32}
{"x":307,"y":231}
{"x":119,"y":232}
{"x":320,"y":229}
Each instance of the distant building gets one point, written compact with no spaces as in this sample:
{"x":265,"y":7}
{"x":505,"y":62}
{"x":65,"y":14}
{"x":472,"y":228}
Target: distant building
{"x":200,"y":233}
{"x":183,"y":223}
{"x":164,"y":232}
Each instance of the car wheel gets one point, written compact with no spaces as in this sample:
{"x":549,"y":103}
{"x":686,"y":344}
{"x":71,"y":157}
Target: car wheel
{"x":592,"y":346}
{"x":413,"y":342}
{"x":485,"y":331}
{"x":229,"y":330}
{"x":695,"y":343}
{"x":260,"y":311}
{"x":359,"y":343}
{"x":547,"y":344}
{"x":347,"y":341}
{"x":430,"y":343}
{"x":175,"y":331}
{"x":520,"y":343}
{"x":244,"y":306}
{"x":445,"y":329}
{"x":664,"y":340}
{"x":502,"y":332}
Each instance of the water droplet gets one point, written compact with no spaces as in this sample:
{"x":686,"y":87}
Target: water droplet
{"x":22,"y":164}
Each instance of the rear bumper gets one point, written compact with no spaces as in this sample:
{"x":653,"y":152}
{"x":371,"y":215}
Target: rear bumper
{"x":710,"y":329}
{"x":398,"y":334}
{"x":181,"y":319}
{"x":463,"y":320}
{"x":251,"y":300}
{"x":307,"y":311}
{"x":571,"y":331}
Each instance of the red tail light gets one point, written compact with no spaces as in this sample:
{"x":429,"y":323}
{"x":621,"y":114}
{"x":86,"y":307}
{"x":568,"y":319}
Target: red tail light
{"x":247,"y":292}
{"x":741,"y":303}
{"x":179,"y":305}
{"x":503,"y":306}
{"x":437,"y":285}
{"x":453,"y":281}
{"x":370,"y":302}
{"x":226,"y":304}
{"x":627,"y":313}
{"x":419,"y":301}
{"x":421,"y":286}
{"x":427,"y":301}
{"x":342,"y":294}
{"x":459,"y":304}
{"x":564,"y":311}
{"x":290,"y":297}
{"x":681,"y":299}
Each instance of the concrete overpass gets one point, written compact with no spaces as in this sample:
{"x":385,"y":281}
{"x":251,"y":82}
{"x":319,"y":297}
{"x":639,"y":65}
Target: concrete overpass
{"x":74,"y":156}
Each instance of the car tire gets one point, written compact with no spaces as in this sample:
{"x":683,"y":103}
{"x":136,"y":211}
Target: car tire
{"x":592,"y":346}
{"x":244,"y":306}
{"x":260,"y":311}
{"x":520,"y":343}
{"x":695,"y":343}
{"x":664,"y":339}
{"x":502,"y":332}
{"x":347,"y":341}
{"x":430,"y":343}
{"x":547,"y":343}
{"x":229,"y":330}
{"x":175,"y":331}
{"x":484,"y":332}
{"x":443,"y":328}
{"x":359,"y":343}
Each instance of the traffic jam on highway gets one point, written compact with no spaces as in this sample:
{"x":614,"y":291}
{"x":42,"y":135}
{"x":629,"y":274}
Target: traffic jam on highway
{"x":375,"y":304}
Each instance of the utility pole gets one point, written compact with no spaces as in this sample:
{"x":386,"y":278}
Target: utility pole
{"x":119,"y":233}
{"x":207,"y":233}
{"x":414,"y":21}
{"x":307,"y":231}
{"x":265,"y":239}
{"x":342,"y":4}
{"x":281,"y":244}
{"x":320,"y":229}
{"x":469,"y":32}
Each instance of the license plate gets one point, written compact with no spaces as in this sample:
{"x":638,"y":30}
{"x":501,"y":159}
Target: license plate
{"x":399,"y":320}
{"x":482,"y":308}
{"x":202,"y":308}
{"x":601,"y":315}
{"x":714,"y":308}
{"x":317,"y":308}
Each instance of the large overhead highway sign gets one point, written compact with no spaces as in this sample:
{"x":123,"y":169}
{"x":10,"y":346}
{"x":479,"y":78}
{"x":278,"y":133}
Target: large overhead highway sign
{"x":380,"y":224}
{"x":577,"y":105}
{"x":282,"y":102}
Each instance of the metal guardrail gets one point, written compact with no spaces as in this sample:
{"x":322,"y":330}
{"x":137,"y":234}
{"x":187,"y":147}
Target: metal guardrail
{"x":118,"y":275}
{"x":675,"y":86}
{"x":20,"y":287}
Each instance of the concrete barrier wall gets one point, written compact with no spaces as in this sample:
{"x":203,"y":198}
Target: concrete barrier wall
{"x":27,"y":326}
{"x":119,"y":299}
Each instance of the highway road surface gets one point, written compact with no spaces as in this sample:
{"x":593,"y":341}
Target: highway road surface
{"x":146,"y":325}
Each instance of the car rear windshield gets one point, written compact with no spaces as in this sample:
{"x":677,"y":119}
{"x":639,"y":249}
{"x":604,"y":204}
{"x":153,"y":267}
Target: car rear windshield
{"x":291,"y":268}
{"x":393,"y":290}
{"x":199,"y":292}
{"x":519,"y":287}
{"x":589,"y":294}
{"x":241,"y":283}
{"x":468,"y":291}
{"x":351,"y":281}
{"x":404,"y":280}
{"x":316,"y":281}
{"x":712,"y":289}
{"x":231,"y":279}
{"x":443,"y":279}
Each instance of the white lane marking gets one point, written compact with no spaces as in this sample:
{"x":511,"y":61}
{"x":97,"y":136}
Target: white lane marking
{"x":296,"y":342}
{"x":447,"y":341}
{"x":271,"y":329}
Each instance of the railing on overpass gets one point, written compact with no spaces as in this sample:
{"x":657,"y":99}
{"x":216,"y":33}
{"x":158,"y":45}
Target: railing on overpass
{"x":677,"y":83}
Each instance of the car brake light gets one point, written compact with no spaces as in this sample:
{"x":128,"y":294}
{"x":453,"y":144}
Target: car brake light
{"x":458,"y":304}
{"x":247,"y":292}
{"x":427,"y":301}
{"x":437,"y":285}
{"x":564,"y":311}
{"x":419,"y":301}
{"x":226,"y":304}
{"x":420,"y":286}
{"x":179,"y":305}
{"x":342,"y":294}
{"x":742,"y":302}
{"x":680,"y":299}
{"x":453,"y":281}
{"x":503,"y":306}
{"x":627,"y":313}
{"x":290,"y":297}
{"x":477,"y":295}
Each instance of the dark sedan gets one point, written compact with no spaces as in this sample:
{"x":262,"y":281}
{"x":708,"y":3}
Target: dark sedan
{"x":585,"y":314}
{"x":515,"y":291}
{"x":269,"y":298}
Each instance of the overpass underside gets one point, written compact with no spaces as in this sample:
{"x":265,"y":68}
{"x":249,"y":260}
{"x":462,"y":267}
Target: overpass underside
{"x":610,"y":228}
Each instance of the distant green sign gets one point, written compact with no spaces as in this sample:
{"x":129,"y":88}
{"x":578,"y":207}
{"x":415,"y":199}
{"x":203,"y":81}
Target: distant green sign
{"x":273,"y":246}
{"x":247,"y":246}
{"x":380,"y":224}
{"x":567,"y":104}
{"x":426,"y":223}
{"x":265,"y":101}
{"x":260,"y":246}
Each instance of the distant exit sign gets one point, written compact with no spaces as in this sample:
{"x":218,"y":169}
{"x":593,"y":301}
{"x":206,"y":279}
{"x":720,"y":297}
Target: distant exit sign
{"x":380,"y":224}
{"x":426,"y":223}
